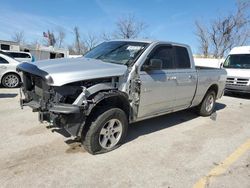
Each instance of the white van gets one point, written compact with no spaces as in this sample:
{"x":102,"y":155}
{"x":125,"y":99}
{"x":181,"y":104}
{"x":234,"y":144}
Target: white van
{"x":237,"y":65}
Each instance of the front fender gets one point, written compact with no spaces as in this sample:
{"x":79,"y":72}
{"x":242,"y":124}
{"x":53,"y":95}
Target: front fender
{"x":114,"y":98}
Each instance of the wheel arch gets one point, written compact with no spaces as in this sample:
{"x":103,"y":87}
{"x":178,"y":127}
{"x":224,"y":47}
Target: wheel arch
{"x":215,"y":88}
{"x":112,"y":98}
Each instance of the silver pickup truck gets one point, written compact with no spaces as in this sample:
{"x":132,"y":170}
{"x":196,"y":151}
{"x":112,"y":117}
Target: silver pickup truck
{"x":119,"y":82}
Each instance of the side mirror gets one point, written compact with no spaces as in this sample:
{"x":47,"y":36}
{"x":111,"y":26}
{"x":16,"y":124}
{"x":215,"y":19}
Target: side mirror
{"x":154,"y":64}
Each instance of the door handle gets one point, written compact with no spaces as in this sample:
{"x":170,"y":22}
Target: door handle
{"x":191,"y":77}
{"x":171,"y":78}
{"x":3,"y":67}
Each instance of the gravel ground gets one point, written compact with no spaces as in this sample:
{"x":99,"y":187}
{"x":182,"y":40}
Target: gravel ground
{"x":174,"y":150}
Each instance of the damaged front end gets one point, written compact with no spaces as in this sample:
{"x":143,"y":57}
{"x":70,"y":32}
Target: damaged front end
{"x":62,"y":106}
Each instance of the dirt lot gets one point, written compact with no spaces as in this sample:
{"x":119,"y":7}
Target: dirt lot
{"x":176,"y":150}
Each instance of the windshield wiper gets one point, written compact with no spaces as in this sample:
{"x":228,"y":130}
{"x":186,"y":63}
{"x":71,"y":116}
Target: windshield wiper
{"x":111,"y":61}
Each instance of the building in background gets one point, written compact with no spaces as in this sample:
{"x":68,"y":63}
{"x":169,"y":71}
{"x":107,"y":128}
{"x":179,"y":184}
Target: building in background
{"x":9,"y":45}
{"x":38,"y":52}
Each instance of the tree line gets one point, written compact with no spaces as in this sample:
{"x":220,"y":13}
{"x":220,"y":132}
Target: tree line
{"x":215,"y":38}
{"x":218,"y":37}
{"x":127,"y":27}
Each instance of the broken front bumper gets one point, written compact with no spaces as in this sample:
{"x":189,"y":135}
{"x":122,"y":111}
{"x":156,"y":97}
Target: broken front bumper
{"x":66,"y":116}
{"x":37,"y":93}
{"x":56,"y":108}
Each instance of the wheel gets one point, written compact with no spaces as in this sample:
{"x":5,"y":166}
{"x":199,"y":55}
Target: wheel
{"x":207,"y":105}
{"x":106,"y":131}
{"x":11,"y":80}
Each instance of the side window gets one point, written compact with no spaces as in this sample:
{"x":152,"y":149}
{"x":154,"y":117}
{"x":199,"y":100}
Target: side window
{"x":12,"y":54}
{"x":182,"y":58}
{"x":5,"y":47}
{"x":3,"y":61}
{"x":59,"y":55}
{"x":165,"y":54}
{"x":24,"y":55}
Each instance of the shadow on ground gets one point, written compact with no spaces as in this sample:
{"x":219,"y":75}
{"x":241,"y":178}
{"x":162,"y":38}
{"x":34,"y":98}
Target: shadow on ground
{"x":148,"y":126}
{"x":8,"y":95}
{"x":74,"y":144}
{"x":238,"y":95}
{"x":162,"y":122}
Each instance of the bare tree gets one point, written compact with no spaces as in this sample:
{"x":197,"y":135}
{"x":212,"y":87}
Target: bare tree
{"x":60,"y":37}
{"x":79,"y":46}
{"x":106,"y":36}
{"x":128,"y":27}
{"x":225,"y":32}
{"x":203,"y":38}
{"x":91,"y":41}
{"x":77,"y":40}
{"x":35,"y":43}
{"x":72,"y":50}
{"x":18,"y":37}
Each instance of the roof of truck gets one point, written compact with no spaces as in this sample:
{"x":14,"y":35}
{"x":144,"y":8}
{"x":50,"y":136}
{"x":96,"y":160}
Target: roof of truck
{"x":240,"y":50}
{"x":135,"y":40}
{"x":151,"y":41}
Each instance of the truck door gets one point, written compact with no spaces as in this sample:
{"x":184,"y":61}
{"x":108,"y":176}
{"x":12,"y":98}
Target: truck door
{"x":186,"y":78}
{"x":157,"y":83}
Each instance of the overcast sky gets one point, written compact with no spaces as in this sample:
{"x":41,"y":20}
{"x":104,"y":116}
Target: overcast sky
{"x":166,"y":19}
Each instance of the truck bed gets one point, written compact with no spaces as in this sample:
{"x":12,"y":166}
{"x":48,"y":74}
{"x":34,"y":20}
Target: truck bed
{"x":206,"y":77}
{"x":208,"y":68}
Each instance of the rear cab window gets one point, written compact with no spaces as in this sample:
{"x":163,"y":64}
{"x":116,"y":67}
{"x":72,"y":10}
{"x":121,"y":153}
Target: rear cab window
{"x":182,"y":60}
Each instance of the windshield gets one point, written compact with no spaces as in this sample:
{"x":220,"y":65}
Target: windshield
{"x":238,"y":61}
{"x":119,"y":52}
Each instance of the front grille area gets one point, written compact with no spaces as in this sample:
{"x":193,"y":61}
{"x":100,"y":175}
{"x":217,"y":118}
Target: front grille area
{"x":237,"y":81}
{"x":35,"y":88}
{"x":38,"y":82}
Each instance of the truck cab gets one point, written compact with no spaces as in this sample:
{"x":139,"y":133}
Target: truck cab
{"x":237,"y":65}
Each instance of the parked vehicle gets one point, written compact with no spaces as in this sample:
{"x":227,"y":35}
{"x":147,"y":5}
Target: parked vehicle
{"x":237,"y":65}
{"x":118,"y":82}
{"x":20,"y":56}
{"x":9,"y":77}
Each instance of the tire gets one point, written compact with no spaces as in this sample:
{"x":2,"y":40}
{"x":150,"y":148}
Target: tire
{"x":106,"y":131}
{"x":206,"y":108}
{"x":11,"y":80}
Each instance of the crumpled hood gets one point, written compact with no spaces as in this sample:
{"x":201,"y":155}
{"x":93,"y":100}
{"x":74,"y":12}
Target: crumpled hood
{"x":68,"y":70}
{"x":238,"y":73}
